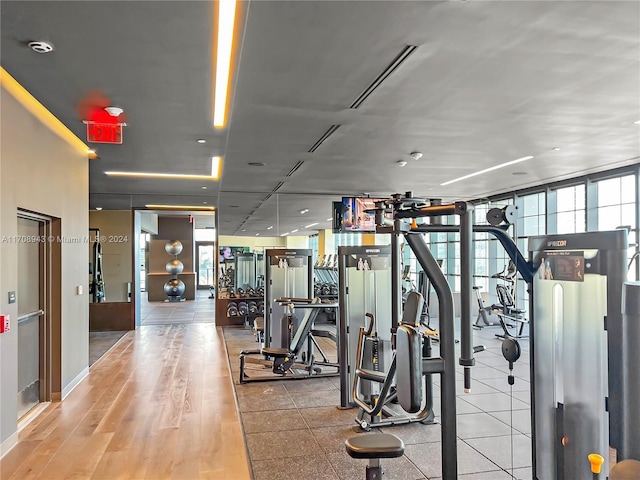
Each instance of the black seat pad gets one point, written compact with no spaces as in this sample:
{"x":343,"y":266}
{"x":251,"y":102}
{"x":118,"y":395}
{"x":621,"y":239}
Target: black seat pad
{"x":276,"y":352}
{"x":379,"y":445}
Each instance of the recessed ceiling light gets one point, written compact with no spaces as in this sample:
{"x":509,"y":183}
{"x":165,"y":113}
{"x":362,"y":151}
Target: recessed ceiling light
{"x":243,"y":230}
{"x":41,"y":47}
{"x":294,"y":231}
{"x":555,"y":149}
{"x":519,"y":173}
{"x":204,"y":203}
{"x":401,"y":163}
{"x":256,"y":164}
{"x":490,"y":169}
{"x":204,"y":188}
{"x":416,"y":155}
{"x":201,"y":140}
{"x":637,"y":122}
{"x":303,"y":211}
{"x":270,"y":227}
{"x":216,"y":163}
{"x":284,"y":234}
{"x":257,"y":234}
{"x":311,"y":225}
{"x":329,"y":219}
{"x":98,"y":208}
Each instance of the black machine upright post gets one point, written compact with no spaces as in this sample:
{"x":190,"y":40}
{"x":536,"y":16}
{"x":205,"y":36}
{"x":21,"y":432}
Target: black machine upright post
{"x":447,"y":353}
{"x":396,"y":283}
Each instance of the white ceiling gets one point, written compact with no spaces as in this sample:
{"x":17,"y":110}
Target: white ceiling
{"x":488,"y":82}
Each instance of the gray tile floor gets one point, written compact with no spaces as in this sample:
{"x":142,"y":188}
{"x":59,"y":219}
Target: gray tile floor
{"x":293,"y":429}
{"x":101,"y":342}
{"x":200,"y":310}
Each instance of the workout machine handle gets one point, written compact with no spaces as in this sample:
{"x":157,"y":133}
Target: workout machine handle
{"x":371,"y":323}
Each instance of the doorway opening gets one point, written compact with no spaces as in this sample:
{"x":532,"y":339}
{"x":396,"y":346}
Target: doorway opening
{"x":38,"y":299}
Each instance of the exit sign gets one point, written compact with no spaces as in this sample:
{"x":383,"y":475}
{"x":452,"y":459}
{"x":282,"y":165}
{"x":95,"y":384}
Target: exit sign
{"x":104,"y":132}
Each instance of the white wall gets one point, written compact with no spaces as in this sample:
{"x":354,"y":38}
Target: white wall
{"x":41,"y":173}
{"x":256,"y":244}
{"x":297,"y":242}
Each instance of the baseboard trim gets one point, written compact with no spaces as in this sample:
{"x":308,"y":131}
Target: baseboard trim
{"x":32,"y":415}
{"x":74,"y":383}
{"x":8,"y":444}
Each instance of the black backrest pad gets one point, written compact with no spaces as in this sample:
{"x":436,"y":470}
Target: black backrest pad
{"x":303,"y":330}
{"x":412,"y":309}
{"x":409,"y":368}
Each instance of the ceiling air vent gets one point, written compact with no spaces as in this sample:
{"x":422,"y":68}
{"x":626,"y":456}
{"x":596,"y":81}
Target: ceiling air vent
{"x":323,"y":138}
{"x":295,"y":168}
{"x":399,"y":60}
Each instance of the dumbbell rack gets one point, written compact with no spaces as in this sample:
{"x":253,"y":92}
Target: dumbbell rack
{"x":222,"y":306}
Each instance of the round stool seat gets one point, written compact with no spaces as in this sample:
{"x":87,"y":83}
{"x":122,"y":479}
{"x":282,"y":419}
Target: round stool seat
{"x":379,"y":445}
{"x":626,"y":470}
{"x":276,"y":352}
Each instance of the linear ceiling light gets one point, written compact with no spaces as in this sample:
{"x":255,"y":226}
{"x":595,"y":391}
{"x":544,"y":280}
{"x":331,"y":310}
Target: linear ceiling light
{"x":506,"y":164}
{"x":38,"y":110}
{"x":180,"y":207}
{"x":224,"y":43}
{"x":311,"y":225}
{"x":215,"y":166}
{"x":284,"y":234}
{"x":162,"y":175}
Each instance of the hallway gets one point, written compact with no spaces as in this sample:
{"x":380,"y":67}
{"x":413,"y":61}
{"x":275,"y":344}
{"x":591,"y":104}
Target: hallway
{"x":159,"y":405}
{"x":200,"y":310}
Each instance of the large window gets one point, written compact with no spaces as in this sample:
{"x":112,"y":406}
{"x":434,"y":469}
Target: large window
{"x":616,"y":207}
{"x":347,"y":240}
{"x":481,"y":248}
{"x":570,"y":209}
{"x":616,"y":202}
{"x":313,"y":245}
{"x":532,"y":215}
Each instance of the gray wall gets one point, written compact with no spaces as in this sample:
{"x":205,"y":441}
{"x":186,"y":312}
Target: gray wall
{"x":42,"y":173}
{"x":149,"y":222}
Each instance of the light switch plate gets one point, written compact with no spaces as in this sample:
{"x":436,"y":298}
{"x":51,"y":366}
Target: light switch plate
{"x":12,"y":297}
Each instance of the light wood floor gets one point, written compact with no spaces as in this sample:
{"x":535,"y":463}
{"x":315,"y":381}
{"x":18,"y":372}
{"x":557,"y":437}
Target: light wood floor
{"x":160,"y":405}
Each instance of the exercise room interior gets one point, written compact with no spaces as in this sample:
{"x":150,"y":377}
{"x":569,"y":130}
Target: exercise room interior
{"x":253,"y":239}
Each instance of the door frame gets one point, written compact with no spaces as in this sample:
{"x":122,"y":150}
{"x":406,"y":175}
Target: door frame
{"x":50,"y":261}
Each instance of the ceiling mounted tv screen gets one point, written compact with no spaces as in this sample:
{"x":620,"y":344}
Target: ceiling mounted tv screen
{"x":355,"y":218}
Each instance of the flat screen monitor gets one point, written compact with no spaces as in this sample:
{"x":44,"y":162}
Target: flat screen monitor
{"x":229,"y":253}
{"x":354,"y":217}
